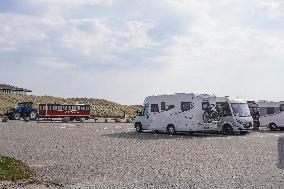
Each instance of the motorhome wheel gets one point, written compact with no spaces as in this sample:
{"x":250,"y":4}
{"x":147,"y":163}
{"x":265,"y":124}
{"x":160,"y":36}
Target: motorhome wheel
{"x":171,"y":129}
{"x":272,"y":126}
{"x":228,"y":129}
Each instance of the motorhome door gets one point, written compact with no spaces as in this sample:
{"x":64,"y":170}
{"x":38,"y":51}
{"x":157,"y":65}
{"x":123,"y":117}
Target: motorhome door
{"x":144,"y":117}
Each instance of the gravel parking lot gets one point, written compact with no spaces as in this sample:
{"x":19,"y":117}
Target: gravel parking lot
{"x":112,"y":155}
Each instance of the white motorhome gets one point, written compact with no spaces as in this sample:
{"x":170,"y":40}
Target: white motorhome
{"x":236,"y":115}
{"x":175,"y":113}
{"x":271,"y":114}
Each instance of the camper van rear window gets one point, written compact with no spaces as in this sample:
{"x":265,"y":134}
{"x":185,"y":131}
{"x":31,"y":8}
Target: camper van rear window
{"x":163,"y":106}
{"x":185,"y":106}
{"x":282,"y":107}
{"x":154,"y":108}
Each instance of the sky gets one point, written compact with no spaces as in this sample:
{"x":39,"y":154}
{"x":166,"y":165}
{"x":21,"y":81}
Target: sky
{"x":125,"y":50}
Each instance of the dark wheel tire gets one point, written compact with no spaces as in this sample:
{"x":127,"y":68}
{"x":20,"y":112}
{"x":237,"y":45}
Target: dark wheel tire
{"x":243,"y":132}
{"x":33,"y":115}
{"x":138,"y":128}
{"x":228,"y":130}
{"x":27,"y":119}
{"x":272,"y":127}
{"x":71,"y":118}
{"x":156,"y":131}
{"x":16,"y":116}
{"x":171,"y":129}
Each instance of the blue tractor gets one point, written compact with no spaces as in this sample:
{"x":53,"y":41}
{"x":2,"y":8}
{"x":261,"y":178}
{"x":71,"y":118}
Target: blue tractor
{"x":23,"y":110}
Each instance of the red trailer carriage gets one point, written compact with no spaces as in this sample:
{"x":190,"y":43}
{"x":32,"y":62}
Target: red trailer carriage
{"x":72,"y":111}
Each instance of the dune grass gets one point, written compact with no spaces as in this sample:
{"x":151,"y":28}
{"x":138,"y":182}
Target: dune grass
{"x":12,"y":169}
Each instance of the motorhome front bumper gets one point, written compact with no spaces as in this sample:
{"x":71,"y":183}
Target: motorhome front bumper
{"x":245,"y":127}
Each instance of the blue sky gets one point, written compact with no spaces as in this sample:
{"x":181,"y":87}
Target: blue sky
{"x":125,"y":50}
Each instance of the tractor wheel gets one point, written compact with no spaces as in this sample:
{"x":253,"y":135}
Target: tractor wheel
{"x":33,"y":115}
{"x":16,"y":116}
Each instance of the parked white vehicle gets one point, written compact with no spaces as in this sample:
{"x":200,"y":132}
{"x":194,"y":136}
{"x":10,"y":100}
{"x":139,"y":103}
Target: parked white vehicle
{"x":271,"y":114}
{"x":236,"y":115}
{"x":175,"y":113}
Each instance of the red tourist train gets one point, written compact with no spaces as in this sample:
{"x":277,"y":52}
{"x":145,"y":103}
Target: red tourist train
{"x":72,"y":111}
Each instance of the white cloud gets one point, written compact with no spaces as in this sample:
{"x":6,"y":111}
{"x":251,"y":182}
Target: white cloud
{"x":53,"y":63}
{"x":103,"y":40}
{"x":19,"y":31}
{"x":273,"y":8}
{"x":69,"y":3}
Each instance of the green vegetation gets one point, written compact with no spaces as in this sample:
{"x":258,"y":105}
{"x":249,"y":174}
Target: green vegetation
{"x":100,"y":107}
{"x":12,"y":169}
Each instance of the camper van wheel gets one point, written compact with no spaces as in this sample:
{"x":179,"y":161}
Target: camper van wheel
{"x":228,"y":129}
{"x":138,"y":128}
{"x":171,"y":129}
{"x":272,"y":126}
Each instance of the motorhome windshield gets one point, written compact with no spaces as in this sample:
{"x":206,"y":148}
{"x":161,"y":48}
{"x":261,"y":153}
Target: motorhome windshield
{"x":240,"y":109}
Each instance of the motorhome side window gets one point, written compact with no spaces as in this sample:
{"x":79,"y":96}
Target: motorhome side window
{"x":154,"y":108}
{"x":225,"y":108}
{"x":205,"y":105}
{"x":185,"y":106}
{"x":163,"y":106}
{"x":270,"y":110}
{"x":281,"y":107}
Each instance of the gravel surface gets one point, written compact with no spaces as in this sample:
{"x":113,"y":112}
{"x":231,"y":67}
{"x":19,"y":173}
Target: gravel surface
{"x":112,"y":155}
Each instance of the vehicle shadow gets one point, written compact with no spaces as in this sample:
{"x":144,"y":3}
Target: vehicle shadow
{"x":281,"y":153}
{"x":158,"y":136}
{"x":267,"y":131}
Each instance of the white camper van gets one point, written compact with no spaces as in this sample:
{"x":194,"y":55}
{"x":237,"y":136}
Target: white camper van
{"x":175,"y":113}
{"x":271,"y":114}
{"x":236,"y":115}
